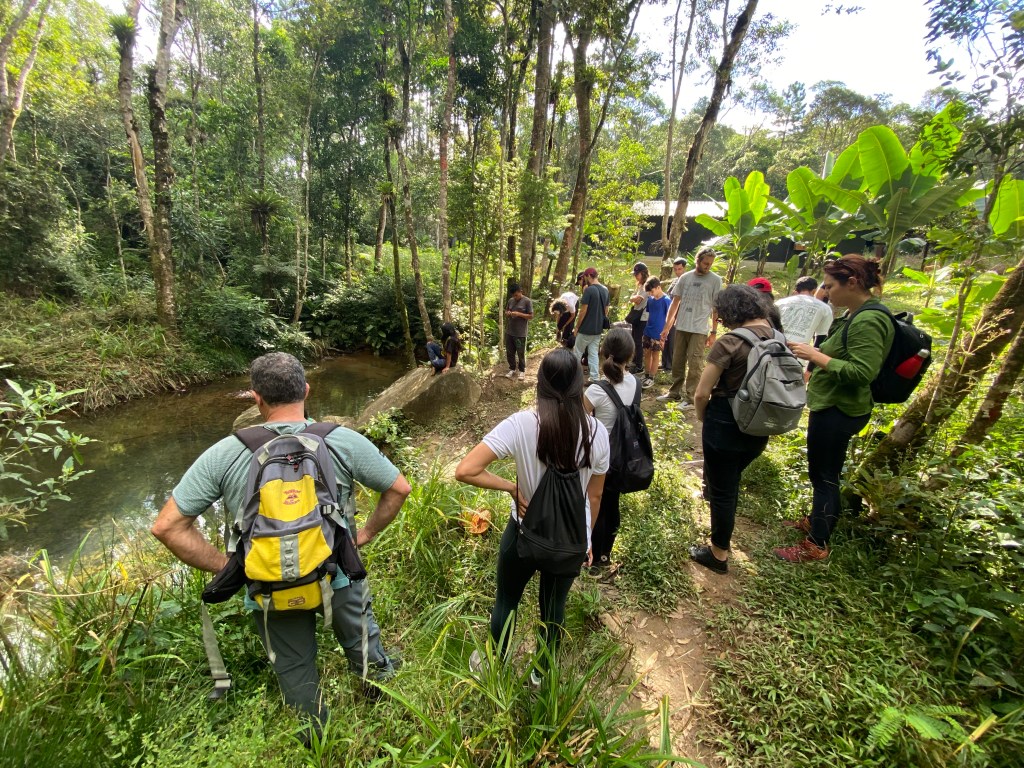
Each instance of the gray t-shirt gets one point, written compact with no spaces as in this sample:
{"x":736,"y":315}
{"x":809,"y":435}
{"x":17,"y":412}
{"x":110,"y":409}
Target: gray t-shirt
{"x":595,"y":297}
{"x":516,"y":326}
{"x":697,"y":294}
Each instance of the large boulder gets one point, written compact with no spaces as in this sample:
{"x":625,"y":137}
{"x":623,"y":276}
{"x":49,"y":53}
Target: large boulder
{"x":423,"y":397}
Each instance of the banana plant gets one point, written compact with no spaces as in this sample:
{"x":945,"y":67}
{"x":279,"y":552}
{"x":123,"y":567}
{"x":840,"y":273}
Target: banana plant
{"x":749,"y":223}
{"x":893,"y":191}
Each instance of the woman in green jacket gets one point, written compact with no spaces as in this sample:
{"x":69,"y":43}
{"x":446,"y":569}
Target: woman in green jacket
{"x":839,"y":394}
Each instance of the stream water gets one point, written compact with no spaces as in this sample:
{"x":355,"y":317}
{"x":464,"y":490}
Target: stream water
{"x":142,"y":448}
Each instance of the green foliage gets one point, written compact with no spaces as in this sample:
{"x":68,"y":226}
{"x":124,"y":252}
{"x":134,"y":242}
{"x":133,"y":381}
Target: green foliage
{"x":364,"y":314}
{"x":38,"y":456}
{"x":228,"y":319}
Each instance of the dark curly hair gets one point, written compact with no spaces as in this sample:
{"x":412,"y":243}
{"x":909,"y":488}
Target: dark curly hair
{"x":738,"y":304}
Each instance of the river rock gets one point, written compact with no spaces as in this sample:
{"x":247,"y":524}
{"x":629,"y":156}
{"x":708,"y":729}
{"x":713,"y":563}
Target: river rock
{"x":250,"y":417}
{"x":423,"y":397}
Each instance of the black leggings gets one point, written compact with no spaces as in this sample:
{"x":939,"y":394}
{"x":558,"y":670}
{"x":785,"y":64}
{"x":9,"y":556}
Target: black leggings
{"x":607,"y":526}
{"x":514,"y":574}
{"x":727,"y":452}
{"x":828,"y":436}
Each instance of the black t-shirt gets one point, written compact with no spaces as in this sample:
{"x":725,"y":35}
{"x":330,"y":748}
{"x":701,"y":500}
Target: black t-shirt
{"x":452,"y":349}
{"x":730,"y":354}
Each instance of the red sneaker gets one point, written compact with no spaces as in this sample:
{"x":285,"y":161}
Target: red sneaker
{"x":803,"y":524}
{"x":805,"y":551}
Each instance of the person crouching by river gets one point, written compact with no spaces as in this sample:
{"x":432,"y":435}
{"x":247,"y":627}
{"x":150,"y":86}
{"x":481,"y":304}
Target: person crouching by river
{"x":616,"y":355}
{"x":727,"y":450}
{"x":557,"y":437}
{"x":839,"y":394}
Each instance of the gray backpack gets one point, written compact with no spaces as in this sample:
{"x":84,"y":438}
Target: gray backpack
{"x":772,"y":396}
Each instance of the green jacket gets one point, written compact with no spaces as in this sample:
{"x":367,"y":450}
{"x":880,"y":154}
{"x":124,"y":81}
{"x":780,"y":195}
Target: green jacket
{"x":846,"y":381}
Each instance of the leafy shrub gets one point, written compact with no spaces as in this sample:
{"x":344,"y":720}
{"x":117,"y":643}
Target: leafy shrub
{"x":41,"y":242}
{"x":229,"y":318}
{"x":365,"y":315}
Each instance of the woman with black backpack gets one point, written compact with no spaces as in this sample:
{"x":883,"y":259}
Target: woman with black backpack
{"x":561,"y":457}
{"x":616,"y":354}
{"x":839,"y":394}
{"x":727,"y":450}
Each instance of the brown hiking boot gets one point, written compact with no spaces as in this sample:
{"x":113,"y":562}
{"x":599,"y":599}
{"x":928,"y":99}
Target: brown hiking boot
{"x":803,"y":524}
{"x":805,"y":551}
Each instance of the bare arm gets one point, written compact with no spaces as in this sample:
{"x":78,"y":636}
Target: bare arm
{"x":670,"y":319}
{"x":179,"y":534}
{"x":388,"y":505}
{"x":472,"y":470}
{"x":580,"y":315}
{"x":702,"y":396}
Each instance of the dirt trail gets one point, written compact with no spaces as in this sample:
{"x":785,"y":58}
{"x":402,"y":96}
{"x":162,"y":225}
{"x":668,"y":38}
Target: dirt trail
{"x":672,"y":654}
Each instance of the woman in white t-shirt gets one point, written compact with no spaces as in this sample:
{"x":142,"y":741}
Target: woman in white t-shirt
{"x":616,"y":353}
{"x":558,"y":434}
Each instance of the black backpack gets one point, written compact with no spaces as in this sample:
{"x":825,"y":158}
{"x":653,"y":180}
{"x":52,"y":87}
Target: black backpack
{"x":907,"y":361}
{"x":631,"y":466}
{"x":553,"y":533}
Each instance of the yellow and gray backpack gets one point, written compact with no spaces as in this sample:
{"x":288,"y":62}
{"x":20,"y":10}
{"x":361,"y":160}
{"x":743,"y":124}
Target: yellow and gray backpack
{"x":291,"y":535}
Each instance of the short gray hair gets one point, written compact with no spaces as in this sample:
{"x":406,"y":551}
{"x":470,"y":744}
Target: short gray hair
{"x":278,"y":378}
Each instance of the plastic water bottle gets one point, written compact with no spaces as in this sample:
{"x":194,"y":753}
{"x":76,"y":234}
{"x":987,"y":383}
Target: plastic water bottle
{"x":910,"y":367}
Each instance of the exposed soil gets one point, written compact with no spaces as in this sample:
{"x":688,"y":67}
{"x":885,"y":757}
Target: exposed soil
{"x":672,"y":654}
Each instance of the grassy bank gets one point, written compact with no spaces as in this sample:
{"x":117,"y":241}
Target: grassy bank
{"x":115,"y":352}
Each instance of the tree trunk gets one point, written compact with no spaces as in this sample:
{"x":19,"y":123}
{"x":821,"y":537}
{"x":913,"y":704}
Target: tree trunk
{"x":677,"y":88}
{"x":991,"y":409}
{"x":382,"y":221}
{"x":161,"y":256}
{"x":126,"y":73}
{"x":584,"y":79}
{"x":257,"y":78}
{"x":302,"y":220}
{"x":12,"y":91}
{"x":1000,"y":322}
{"x":722,"y":81}
{"x":446,"y":121}
{"x":474,"y":148}
{"x":386,"y":102}
{"x":405,"y":55}
{"x":541,"y":93}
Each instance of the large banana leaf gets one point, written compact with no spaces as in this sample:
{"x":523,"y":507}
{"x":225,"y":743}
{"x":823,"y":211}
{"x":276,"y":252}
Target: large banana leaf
{"x":739,"y":215}
{"x":847,"y":173}
{"x":882,"y":160}
{"x":801,"y":194}
{"x":1007,"y":216}
{"x":720,"y":228}
{"x":756,"y":191}
{"x":907,"y":214}
{"x":849,"y":200}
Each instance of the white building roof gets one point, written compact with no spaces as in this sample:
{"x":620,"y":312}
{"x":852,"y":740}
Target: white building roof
{"x":712,"y":208}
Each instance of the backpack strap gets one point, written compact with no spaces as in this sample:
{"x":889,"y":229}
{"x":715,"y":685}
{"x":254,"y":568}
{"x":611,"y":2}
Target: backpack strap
{"x":862,"y":308}
{"x":753,"y":339}
{"x":609,"y":389}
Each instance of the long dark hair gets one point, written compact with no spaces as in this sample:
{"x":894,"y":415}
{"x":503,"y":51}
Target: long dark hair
{"x":448,"y":332}
{"x":617,"y":350}
{"x":560,"y":412}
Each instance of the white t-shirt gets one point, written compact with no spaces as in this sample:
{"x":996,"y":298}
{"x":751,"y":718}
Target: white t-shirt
{"x":516,"y":437}
{"x":804,"y":317}
{"x":697,"y":294}
{"x":570,"y":300}
{"x":604,"y":408}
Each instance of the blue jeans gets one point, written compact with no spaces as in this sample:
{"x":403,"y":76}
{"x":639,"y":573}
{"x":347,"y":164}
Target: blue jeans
{"x":585,"y":343}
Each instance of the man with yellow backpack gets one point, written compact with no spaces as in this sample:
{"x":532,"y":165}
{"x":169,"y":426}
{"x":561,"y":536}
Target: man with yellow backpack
{"x":287,"y":489}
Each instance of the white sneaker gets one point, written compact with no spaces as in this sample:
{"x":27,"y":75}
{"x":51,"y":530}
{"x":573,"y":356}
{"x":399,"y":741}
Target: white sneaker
{"x":510,"y":375}
{"x":522,"y":375}
{"x":666,"y":398}
{"x":647,"y":383}
{"x":684,"y":406}
{"x":536,"y":678}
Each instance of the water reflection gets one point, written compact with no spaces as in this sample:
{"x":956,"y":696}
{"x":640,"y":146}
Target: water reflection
{"x":143,"y":447}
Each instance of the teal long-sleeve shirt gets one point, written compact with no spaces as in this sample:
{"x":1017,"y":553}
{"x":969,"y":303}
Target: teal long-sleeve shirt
{"x":846,"y":381}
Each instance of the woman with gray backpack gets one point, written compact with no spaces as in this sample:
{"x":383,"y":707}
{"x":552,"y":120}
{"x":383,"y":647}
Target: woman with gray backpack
{"x":727,"y":449}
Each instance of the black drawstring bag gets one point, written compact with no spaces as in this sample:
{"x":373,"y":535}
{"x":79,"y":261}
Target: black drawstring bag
{"x":553,"y":534}
{"x":227,"y":582}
